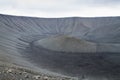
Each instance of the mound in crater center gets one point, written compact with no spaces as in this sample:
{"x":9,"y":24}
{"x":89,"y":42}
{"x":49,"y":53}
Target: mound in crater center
{"x":66,"y":44}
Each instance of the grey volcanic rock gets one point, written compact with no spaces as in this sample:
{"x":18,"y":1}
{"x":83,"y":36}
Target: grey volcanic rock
{"x":87,"y":48}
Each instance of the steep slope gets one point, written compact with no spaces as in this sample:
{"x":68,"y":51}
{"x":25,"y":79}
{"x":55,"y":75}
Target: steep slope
{"x":105,"y":34}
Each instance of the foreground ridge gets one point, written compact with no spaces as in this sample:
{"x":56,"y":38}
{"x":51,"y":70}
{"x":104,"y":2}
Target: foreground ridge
{"x":10,"y":72}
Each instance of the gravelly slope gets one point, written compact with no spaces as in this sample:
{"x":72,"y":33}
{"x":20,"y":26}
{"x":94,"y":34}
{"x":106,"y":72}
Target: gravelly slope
{"x":18,"y":37}
{"x":12,"y":72}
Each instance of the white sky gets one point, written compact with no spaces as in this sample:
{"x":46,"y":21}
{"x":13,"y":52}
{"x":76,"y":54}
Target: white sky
{"x":61,"y":8}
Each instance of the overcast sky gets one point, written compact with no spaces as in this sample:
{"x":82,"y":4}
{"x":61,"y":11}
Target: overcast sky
{"x":61,"y":8}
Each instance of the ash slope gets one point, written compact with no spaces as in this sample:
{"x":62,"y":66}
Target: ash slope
{"x":19,"y":34}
